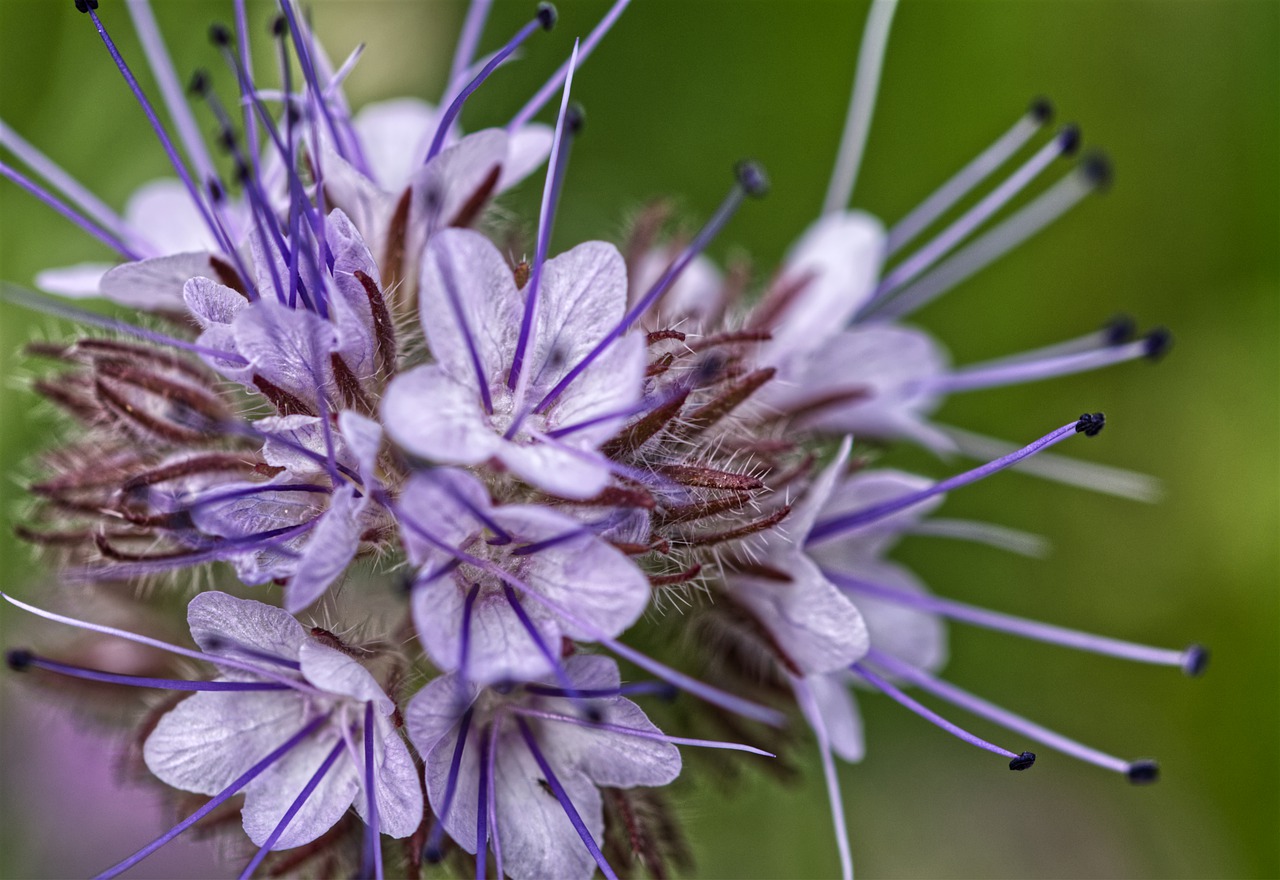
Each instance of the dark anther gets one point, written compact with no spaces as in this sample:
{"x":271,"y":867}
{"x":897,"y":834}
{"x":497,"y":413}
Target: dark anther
{"x":1069,"y":139}
{"x":199,"y":83}
{"x":432,"y":854}
{"x":242,"y":172}
{"x":219,"y":35}
{"x":1041,"y":109}
{"x":86,"y":5}
{"x":1023,"y":761}
{"x":1090,"y":424}
{"x":547,"y":15}
{"x":1143,"y":772}
{"x":215,"y":190}
{"x":278,"y":26}
{"x":294,"y":114}
{"x":1119,"y":330}
{"x":1097,"y":170}
{"x":19,"y":659}
{"x":1157,"y":343}
{"x":752,"y":177}
{"x":575,"y":118}
{"x":1195,"y":661}
{"x":593,"y":714}
{"x":667,"y":692}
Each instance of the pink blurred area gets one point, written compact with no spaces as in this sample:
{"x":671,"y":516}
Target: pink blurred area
{"x":62,"y":793}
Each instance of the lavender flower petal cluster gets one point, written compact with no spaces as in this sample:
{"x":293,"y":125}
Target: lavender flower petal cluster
{"x":337,"y":377}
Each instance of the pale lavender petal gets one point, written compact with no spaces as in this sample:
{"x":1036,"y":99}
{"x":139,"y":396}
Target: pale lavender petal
{"x":163,"y":213}
{"x":527,"y":149}
{"x":839,"y":713}
{"x":332,"y":671}
{"x":268,"y":797}
{"x":289,"y":348}
{"x":349,"y":303}
{"x":911,"y":635}
{"x":430,"y":414}
{"x":329,"y":550}
{"x":867,"y":489}
{"x":155,"y":284}
{"x":220,"y":622}
{"x":568,"y":473}
{"x":399,"y":794}
{"x":394,"y":136}
{"x":78,"y":282}
{"x":363,"y":439}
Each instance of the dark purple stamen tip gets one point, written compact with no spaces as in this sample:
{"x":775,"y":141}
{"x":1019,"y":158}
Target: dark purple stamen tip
{"x":1196,"y":661}
{"x":575,"y":118}
{"x":19,"y":659}
{"x":547,"y":15}
{"x":199,"y":85}
{"x":279,"y":26}
{"x":1143,"y":772}
{"x":751,"y":175}
{"x":1157,"y":343}
{"x":1023,"y":761}
{"x":432,"y":854}
{"x":1069,"y":139}
{"x":1041,"y":109}
{"x":86,"y":5}
{"x":1097,"y":170}
{"x":1090,"y":424}
{"x":219,"y":35}
{"x":1119,"y":330}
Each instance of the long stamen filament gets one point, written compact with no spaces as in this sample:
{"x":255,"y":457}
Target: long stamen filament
{"x":20,"y":660}
{"x":69,"y":213}
{"x":431,"y":851}
{"x":813,"y":714}
{"x":641,"y":734}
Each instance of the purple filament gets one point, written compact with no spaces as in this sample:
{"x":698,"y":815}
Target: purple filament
{"x":69,"y":213}
{"x":459,"y":314}
{"x":373,"y":833}
{"x":450,"y":787}
{"x":928,"y":714}
{"x":464,"y":640}
{"x":482,"y":807}
{"x":809,"y":706}
{"x":824,"y":529}
{"x":641,"y":734}
{"x":563,"y":797}
{"x":442,"y":128}
{"x":1027,"y":629}
{"x":224,"y":795}
{"x":309,"y":73}
{"x":491,"y":776}
{"x":297,"y":804}
{"x":143,"y":681}
{"x":993,"y":375}
{"x":990,"y":711}
{"x":559,"y":162}
{"x":472,"y":27}
{"x":548,"y":543}
{"x":543,"y":648}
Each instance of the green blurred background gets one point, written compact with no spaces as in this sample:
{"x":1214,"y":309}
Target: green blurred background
{"x":1185,"y":96}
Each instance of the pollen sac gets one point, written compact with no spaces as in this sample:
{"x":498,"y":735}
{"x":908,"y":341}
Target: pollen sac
{"x":1090,"y":424}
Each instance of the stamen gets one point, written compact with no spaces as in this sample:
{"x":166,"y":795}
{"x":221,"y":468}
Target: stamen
{"x":246,"y":61}
{"x":1090,"y":176}
{"x":1000,"y":537}
{"x":20,"y":660}
{"x":217,"y":800}
{"x":372,"y":830}
{"x":465,"y":49}
{"x":69,"y":213}
{"x":482,"y":793}
{"x":1136,"y":771}
{"x":563,"y":797}
{"x":866,"y":83}
{"x":750,"y":181}
{"x":706,"y":692}
{"x":545,"y":18}
{"x":552,"y":85}
{"x":144,"y":23}
{"x":642,"y":734}
{"x":658,"y":688}
{"x":297,"y":804}
{"x":809,"y":706}
{"x":491,"y":776}
{"x":1192,"y":660}
{"x":588,"y":710}
{"x":460,"y":315}
{"x":1063,"y":145}
{"x":906,"y":229}
{"x":546,"y":218}
{"x":1016,"y":761}
{"x":431,"y":852}
{"x":993,"y":375}
{"x":166,"y":143}
{"x":309,"y":73}
{"x":1088,"y":424}
{"x":64,"y":183}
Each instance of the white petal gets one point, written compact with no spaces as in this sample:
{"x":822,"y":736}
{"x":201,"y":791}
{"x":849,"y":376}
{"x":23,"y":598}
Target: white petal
{"x":560,"y":469}
{"x":394,"y":137}
{"x":269,"y":796}
{"x":78,"y":281}
{"x":840,"y":714}
{"x":430,"y":414}
{"x":157,"y":283}
{"x":163,"y":213}
{"x":287,"y":347}
{"x":454,"y":177}
{"x":527,"y":149}
{"x":333,"y":671}
{"x":330,"y":548}
{"x":210,"y":303}
{"x":865,"y":490}
{"x":219,"y":622}
{"x":915,"y":637}
{"x":399,"y":794}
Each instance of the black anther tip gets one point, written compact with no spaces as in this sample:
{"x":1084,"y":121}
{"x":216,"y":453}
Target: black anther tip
{"x":432,"y":854}
{"x":668,"y":692}
{"x":199,"y":85}
{"x":86,"y":5}
{"x":1097,"y":170}
{"x":1195,"y":660}
{"x":216,"y":191}
{"x":1143,"y":772}
{"x":278,"y":26}
{"x":593,"y":714}
{"x":1023,"y":761}
{"x":547,"y":15}
{"x":19,"y":659}
{"x":1157,"y":343}
{"x":227,"y":140}
{"x":575,"y":118}
{"x":1090,"y":424}
{"x":243,"y":172}
{"x":1041,"y":109}
{"x":219,"y":34}
{"x":752,"y":177}
{"x":1069,"y":139}
{"x":1119,"y":330}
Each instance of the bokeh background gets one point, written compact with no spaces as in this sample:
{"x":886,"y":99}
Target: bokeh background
{"x":1185,"y":96}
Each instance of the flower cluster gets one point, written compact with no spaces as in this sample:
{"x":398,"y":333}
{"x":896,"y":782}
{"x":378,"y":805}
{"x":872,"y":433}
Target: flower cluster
{"x":342,"y":379}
